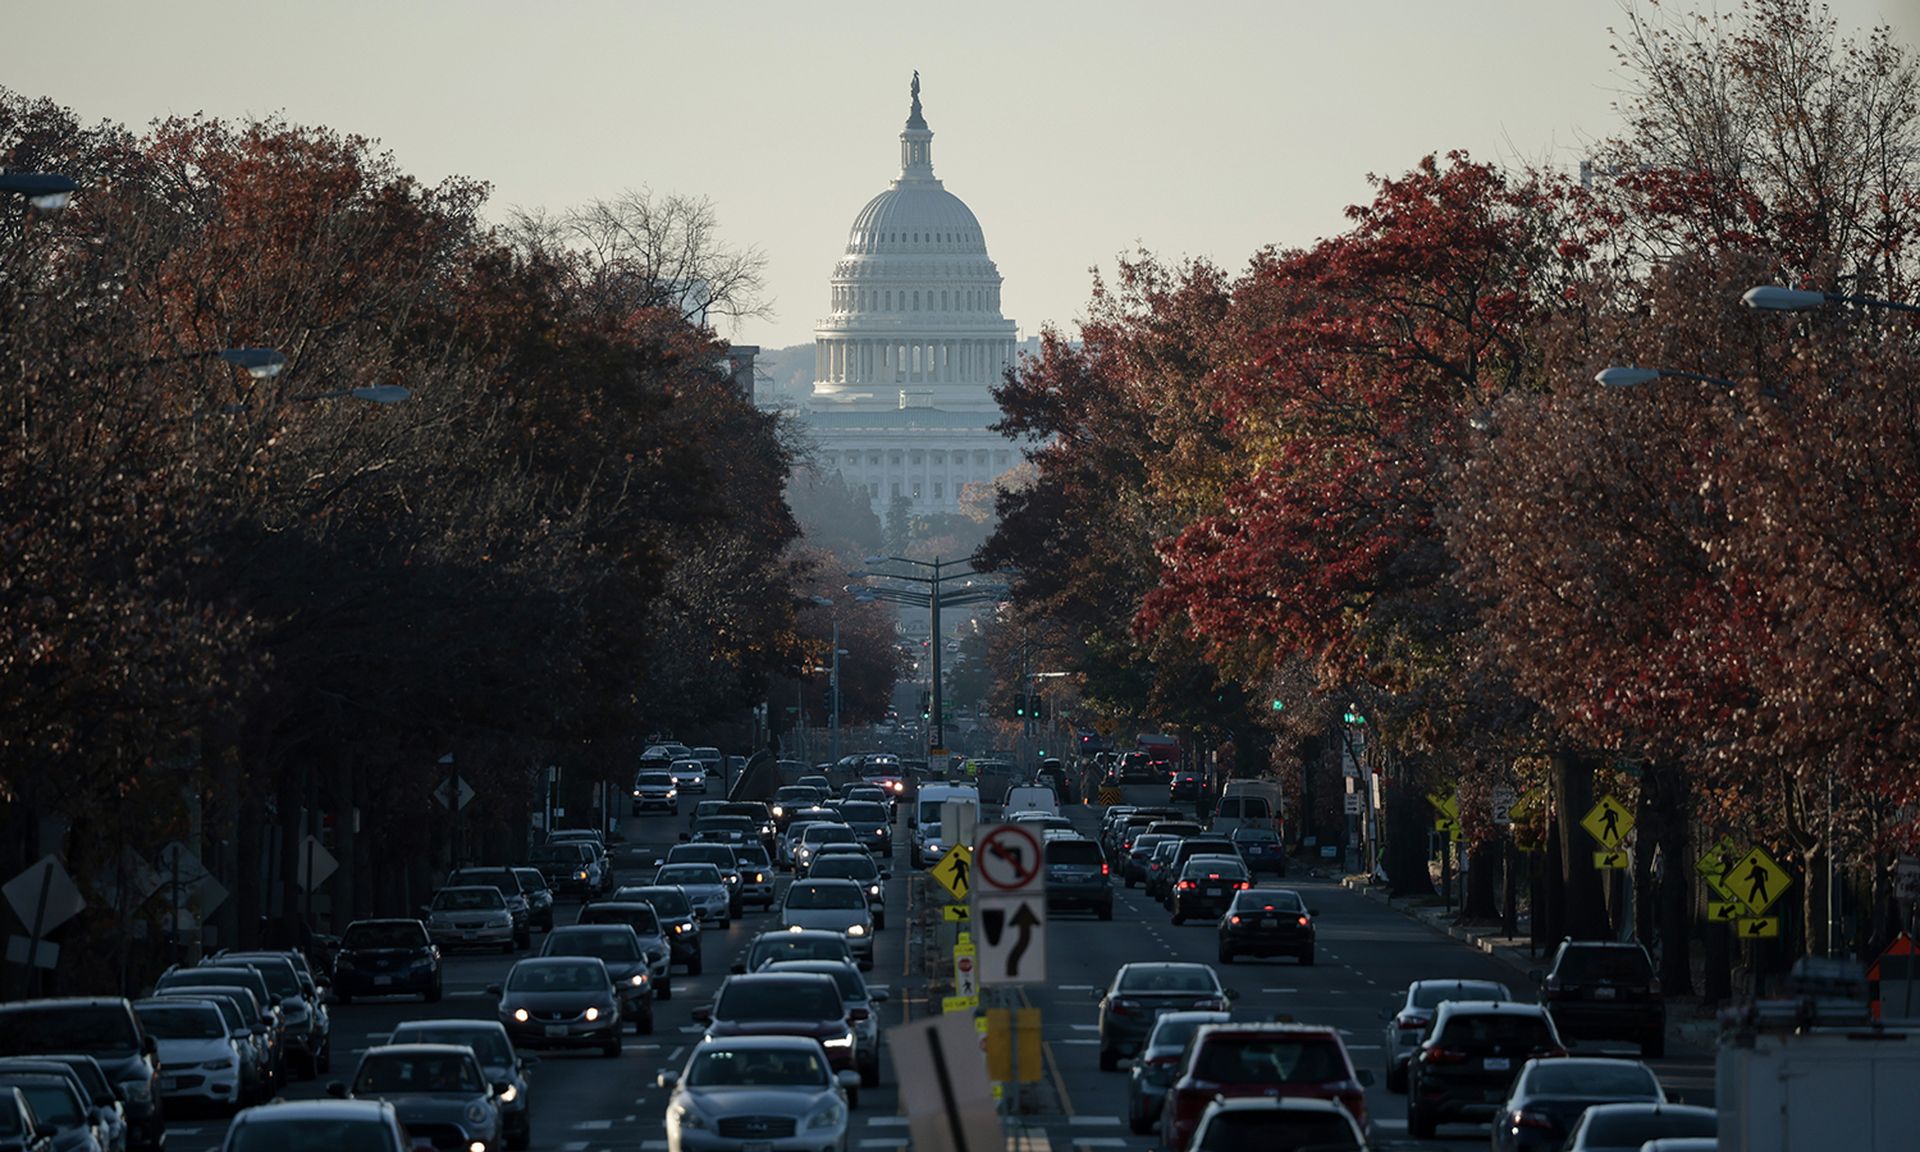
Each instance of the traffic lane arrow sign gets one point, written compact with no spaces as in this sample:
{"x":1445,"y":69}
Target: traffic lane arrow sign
{"x":1012,"y":939}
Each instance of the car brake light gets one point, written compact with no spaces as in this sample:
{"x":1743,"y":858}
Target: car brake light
{"x":1443,"y":1056}
{"x":1188,"y":884}
{"x":1303,"y":921}
{"x":1550,"y":1053}
{"x":1524,"y":1119}
{"x":1411,"y":1024}
{"x":1233,"y":919}
{"x":1105,"y":870}
{"x":1213,"y":875}
{"x":1242,"y":884}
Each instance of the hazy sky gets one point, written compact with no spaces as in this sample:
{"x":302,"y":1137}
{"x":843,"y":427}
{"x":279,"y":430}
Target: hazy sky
{"x":1075,"y":131}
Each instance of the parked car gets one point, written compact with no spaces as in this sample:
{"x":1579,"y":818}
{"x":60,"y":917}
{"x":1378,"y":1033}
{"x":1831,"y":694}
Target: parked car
{"x":1267,"y":922}
{"x":560,"y":1002}
{"x":1549,"y":1096}
{"x":1141,"y":991}
{"x":1606,"y":990}
{"x":733,"y":1092}
{"x":438,"y":1092}
{"x":1159,"y":1062}
{"x":1407,"y":1025}
{"x":1465,"y":1068}
{"x":384,"y":957}
{"x":505,"y":1069}
{"x":105,"y":1028}
{"x":1261,"y":1060}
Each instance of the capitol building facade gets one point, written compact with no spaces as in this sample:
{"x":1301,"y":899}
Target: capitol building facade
{"x":903,"y":365}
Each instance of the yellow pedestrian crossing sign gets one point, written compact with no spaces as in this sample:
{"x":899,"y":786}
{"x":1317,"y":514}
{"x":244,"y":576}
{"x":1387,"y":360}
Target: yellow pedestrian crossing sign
{"x":1759,"y":927}
{"x":1717,"y":863}
{"x":1608,"y":822}
{"x":1757,"y":882}
{"x":955,"y":871}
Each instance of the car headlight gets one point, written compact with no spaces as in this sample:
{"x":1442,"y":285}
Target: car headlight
{"x":509,"y":1095}
{"x":137,"y":1090}
{"x":520,"y":1014}
{"x":638,"y":979}
{"x":873,"y":889}
{"x":220,"y":1064}
{"x":672,"y":792}
{"x":679,"y":928}
{"x":856,"y":930}
{"x":827,"y":1116}
{"x":477,"y":1112}
{"x":580,"y":875}
{"x":845,"y":1041}
{"x":593,"y":1014}
{"x":685,"y":1116}
{"x":779,"y":811}
{"x":759,"y":877}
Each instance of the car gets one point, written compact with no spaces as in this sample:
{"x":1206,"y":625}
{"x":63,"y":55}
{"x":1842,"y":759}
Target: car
{"x":1183,"y":786}
{"x":713,"y":759}
{"x":1140,"y":851}
{"x":815,"y":836}
{"x":870,"y":820}
{"x":249,"y":1030}
{"x":783,"y":1004}
{"x":505,"y":1069}
{"x":1182,"y":827}
{"x":569,"y":866}
{"x":20,"y":1129}
{"x":305,"y":1021}
{"x":654,"y":790}
{"x":668,"y":750}
{"x":1159,"y":869}
{"x":1549,"y":1096}
{"x":1261,"y":1060}
{"x":1184,"y":850}
{"x":1267,"y":922}
{"x":539,"y":896}
{"x":1466,"y":1066}
{"x":1606,"y":990}
{"x":508,"y":883}
{"x":651,"y":931}
{"x":756,"y":875}
{"x":1141,"y":991}
{"x":768,"y":947}
{"x":1158,"y":1062}
{"x":1407,"y":1025}
{"x":262,"y":1009}
{"x":1282,"y":1124}
{"x":1607,"y":1127}
{"x":859,"y":868}
{"x":59,"y":1107}
{"x":386,"y":957}
{"x":759,"y":813}
{"x":720,"y":856}
{"x":93,"y":1081}
{"x":1261,"y":849}
{"x":1078,"y":876}
{"x":560,"y":1002}
{"x":689,"y":776}
{"x":833,"y":905}
{"x":618,"y":947}
{"x":199,"y":1063}
{"x":757,"y":1092}
{"x":791,"y":798}
{"x":472,"y":916}
{"x":1206,"y":887}
{"x":862,"y":1002}
{"x":705,"y":886}
{"x":679,"y":923}
{"x":437,"y":1090}
{"x":317,"y":1126}
{"x":720,"y":828}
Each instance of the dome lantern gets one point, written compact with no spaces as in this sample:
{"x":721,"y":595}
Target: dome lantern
{"x":916,"y":143}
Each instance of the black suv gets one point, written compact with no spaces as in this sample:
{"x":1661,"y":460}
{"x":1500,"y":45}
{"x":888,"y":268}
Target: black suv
{"x":1078,"y":876}
{"x":1466,"y":1067}
{"x":1601,"y":990}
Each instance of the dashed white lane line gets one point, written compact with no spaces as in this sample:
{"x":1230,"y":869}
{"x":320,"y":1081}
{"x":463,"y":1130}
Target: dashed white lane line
{"x":593,"y":1126}
{"x":1094,"y":1121}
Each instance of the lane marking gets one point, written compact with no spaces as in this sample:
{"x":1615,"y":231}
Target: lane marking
{"x":1085,"y":1042}
{"x":887,"y":1121}
{"x":593,"y":1126}
{"x":1094,"y":1121}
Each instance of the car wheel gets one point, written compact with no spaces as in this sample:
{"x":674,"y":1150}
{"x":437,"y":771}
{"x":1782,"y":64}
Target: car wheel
{"x":612,"y":1047}
{"x":433,"y":994}
{"x":1420,"y":1126}
{"x":1306,"y":958}
{"x":1109,"y":1060}
{"x":1226,"y":954}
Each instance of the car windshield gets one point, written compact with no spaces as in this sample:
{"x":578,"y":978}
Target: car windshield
{"x":752,"y":857}
{"x":557,"y":978}
{"x":1277,"y":1131}
{"x":778,"y":1000}
{"x":106,"y":1030}
{"x":384,"y":1072}
{"x":530,"y":879}
{"x":54,"y":1102}
{"x":1496,"y":1028}
{"x":501,"y":878}
{"x":1169,"y":978}
{"x":1209,"y":868}
{"x":865,"y":811}
{"x":489,"y":1045}
{"x":1626,"y":965}
{"x":825,"y":896}
{"x":845,"y":977}
{"x":468,"y":900}
{"x":1271,"y":900}
{"x":1578,"y":1078}
{"x":1074,"y":852}
{"x":716,"y":855}
{"x":1174,"y":1032}
{"x":656,"y":779}
{"x":688,"y":874}
{"x":9,"y":1117}
{"x":1431,"y":995}
{"x":665,"y":901}
{"x":794,"y":795}
{"x":606,"y":944}
{"x":88,"y":1070}
{"x":828,"y":834}
{"x":1630,"y":1128}
{"x":757,"y":1068}
{"x":405,"y":934}
{"x":559,"y":854}
{"x":1269,"y":1060}
{"x":272,"y":1134}
{"x":1255,"y":836}
{"x":184,"y":1022}
{"x":640,"y":917}
{"x":845,"y":867}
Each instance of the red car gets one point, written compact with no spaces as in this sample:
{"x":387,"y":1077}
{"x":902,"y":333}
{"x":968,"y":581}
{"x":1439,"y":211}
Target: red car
{"x":1264,"y":1060}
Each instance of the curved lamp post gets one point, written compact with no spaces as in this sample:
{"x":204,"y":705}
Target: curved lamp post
{"x":1770,"y":298}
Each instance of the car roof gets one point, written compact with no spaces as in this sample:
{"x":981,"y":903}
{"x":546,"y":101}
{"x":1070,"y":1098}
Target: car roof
{"x":1645,"y":1108}
{"x":454,"y":1024}
{"x":1276,"y":1104}
{"x":796,"y":933}
{"x":826,"y":882}
{"x":762,"y":1041}
{"x":556,"y":961}
{"x":1490,"y":1008}
{"x":1257,"y":1028}
{"x":419,"y":1050}
{"x":783,"y":979}
{"x":299,"y":1111}
{"x":1167,"y":966}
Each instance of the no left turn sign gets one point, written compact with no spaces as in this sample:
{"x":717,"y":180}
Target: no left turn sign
{"x":1007,"y":860}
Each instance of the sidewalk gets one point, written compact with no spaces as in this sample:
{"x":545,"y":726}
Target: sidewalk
{"x":1687,"y":1021}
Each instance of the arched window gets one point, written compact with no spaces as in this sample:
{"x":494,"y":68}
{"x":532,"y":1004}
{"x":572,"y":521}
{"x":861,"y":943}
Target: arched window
{"x":916,"y":300}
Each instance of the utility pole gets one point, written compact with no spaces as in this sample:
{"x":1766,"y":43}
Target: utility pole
{"x":834,"y":741}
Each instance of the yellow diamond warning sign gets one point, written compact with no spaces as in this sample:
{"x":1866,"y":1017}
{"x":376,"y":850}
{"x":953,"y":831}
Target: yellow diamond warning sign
{"x":1608,"y":822}
{"x":955,"y":871}
{"x":1757,"y":881}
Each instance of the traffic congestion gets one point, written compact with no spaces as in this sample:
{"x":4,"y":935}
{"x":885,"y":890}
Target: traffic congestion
{"x":723,"y":973}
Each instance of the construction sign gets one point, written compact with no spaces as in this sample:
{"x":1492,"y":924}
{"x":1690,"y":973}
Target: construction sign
{"x":1608,"y":822}
{"x":1757,"y":881}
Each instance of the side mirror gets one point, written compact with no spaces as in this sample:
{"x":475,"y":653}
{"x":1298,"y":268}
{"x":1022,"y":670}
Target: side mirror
{"x":877,"y":995}
{"x":493,"y":990}
{"x":857,"y":1014}
{"x":702,"y":1015}
{"x":847,"y":1078}
{"x":337,"y":1089}
{"x":669,"y":1079}
{"x":149,"y":1046}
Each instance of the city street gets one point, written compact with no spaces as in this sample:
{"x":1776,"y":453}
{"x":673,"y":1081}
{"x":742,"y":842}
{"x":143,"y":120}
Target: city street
{"x":1368,"y":952}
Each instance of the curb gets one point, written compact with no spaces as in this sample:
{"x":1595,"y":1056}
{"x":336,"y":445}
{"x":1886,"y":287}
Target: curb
{"x":1518,"y":961}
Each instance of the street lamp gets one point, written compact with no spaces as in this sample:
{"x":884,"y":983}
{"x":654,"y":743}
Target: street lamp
{"x":1769,"y":298}
{"x":46,"y":191}
{"x":935,"y":597}
{"x":1624,"y":377}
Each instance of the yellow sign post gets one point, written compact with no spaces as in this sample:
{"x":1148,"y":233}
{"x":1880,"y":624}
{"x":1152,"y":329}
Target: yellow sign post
{"x":1757,"y":881}
{"x":955,"y":872}
{"x":1447,"y":822}
{"x":1608,"y":822}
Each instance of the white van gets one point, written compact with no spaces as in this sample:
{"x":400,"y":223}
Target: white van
{"x":928,"y":843}
{"x":1247,"y":804}
{"x":1030,"y":798}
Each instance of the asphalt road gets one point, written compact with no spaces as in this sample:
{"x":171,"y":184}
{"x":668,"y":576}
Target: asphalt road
{"x":1367,"y":954}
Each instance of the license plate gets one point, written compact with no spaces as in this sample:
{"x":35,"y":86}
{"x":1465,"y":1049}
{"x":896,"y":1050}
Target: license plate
{"x":556,"y":1029}
{"x":1269,"y":923}
{"x":1604,"y":993}
{"x":168,"y":1083}
{"x":382,"y":981}
{"x":759,"y":1146}
{"x":469,"y":935}
{"x":1498,"y":1064}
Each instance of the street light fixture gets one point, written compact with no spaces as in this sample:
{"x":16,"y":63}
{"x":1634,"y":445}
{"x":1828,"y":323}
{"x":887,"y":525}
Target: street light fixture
{"x":46,"y":191}
{"x":1625,"y":377}
{"x":933,"y":599}
{"x":1770,"y":298}
{"x":260,"y":363}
